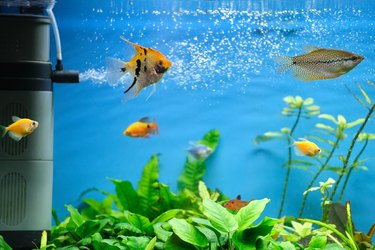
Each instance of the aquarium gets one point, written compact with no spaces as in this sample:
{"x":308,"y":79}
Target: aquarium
{"x":214,"y":125}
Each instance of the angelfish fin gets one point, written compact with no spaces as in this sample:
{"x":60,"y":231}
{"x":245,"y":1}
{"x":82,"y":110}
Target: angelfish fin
{"x":15,"y":118}
{"x":15,"y":136}
{"x":284,"y":63}
{"x":115,"y":70}
{"x":152,"y":92}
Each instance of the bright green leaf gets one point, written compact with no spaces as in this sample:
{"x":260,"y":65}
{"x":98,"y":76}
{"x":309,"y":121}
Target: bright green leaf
{"x":3,"y":244}
{"x":151,"y":244}
{"x":308,"y":101}
{"x":219,"y":217}
{"x":247,"y":215}
{"x":318,"y":242}
{"x":75,"y":216}
{"x":355,"y":123}
{"x":161,"y":232}
{"x":188,"y":232}
{"x":325,"y":127}
{"x":127,"y":196}
{"x":328,"y":117}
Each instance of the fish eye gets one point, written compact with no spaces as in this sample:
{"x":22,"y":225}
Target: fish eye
{"x":160,"y":62}
{"x":148,"y":126}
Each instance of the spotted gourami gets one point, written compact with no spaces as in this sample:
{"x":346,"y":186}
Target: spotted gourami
{"x":319,"y":63}
{"x":142,"y":128}
{"x":304,"y":147}
{"x":146,"y":67}
{"x":19,"y":128}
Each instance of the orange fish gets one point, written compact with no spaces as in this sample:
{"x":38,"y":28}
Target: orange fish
{"x":306,"y":148}
{"x":19,"y":128}
{"x":236,"y":204}
{"x":142,"y":128}
{"x":146,"y":67}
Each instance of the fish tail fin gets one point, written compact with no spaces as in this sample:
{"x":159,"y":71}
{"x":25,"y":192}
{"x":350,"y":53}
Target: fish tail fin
{"x":115,"y":70}
{"x":284,"y":63}
{"x":156,"y":128}
{"x":3,"y":131}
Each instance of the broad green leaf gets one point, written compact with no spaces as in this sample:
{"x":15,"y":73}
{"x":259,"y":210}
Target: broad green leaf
{"x":355,"y":123}
{"x":219,"y":217}
{"x":161,"y":232}
{"x":318,"y":242}
{"x":188,"y":232}
{"x":252,"y":237}
{"x":105,"y":244}
{"x":302,"y":230}
{"x":140,"y":222}
{"x":247,"y":215}
{"x":139,"y":242}
{"x":124,"y":226}
{"x":328,"y":117}
{"x":151,"y":244}
{"x":170,"y":214}
{"x":175,"y":243}
{"x":126,"y":195}
{"x":209,"y":234}
{"x":148,"y":186}
{"x":88,"y":228}
{"x":3,"y":244}
{"x":287,"y":245}
{"x":75,"y":216}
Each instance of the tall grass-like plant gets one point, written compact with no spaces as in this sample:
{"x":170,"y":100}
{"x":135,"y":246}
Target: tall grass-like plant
{"x":298,"y":108}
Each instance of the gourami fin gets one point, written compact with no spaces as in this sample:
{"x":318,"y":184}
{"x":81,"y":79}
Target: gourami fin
{"x":3,"y":131}
{"x":306,"y":74}
{"x":284,"y":63}
{"x":310,"y":48}
{"x":15,"y":136}
{"x":145,"y":119}
{"x":15,"y":118}
{"x":297,"y":151}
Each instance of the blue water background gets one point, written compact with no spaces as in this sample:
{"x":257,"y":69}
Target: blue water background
{"x":224,"y":77}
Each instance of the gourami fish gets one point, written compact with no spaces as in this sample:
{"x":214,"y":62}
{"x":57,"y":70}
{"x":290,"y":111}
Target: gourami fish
{"x":319,"y":63}
{"x":200,"y":151}
{"x":306,"y":148}
{"x":146,"y":67}
{"x":236,"y":204}
{"x":142,"y":128}
{"x":19,"y":128}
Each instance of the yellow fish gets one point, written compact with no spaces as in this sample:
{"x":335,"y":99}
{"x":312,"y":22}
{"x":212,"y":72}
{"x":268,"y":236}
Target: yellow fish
{"x":319,"y":63}
{"x":142,"y":128}
{"x":19,"y":128}
{"x":306,"y":148}
{"x":147,"y":67}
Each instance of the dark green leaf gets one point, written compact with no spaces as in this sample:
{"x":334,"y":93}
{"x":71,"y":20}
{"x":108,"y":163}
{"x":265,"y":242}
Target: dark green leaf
{"x":148,"y":186}
{"x":188,"y":232}
{"x":192,"y":173}
{"x":140,"y":222}
{"x":139,"y":242}
{"x":211,"y":139}
{"x":175,"y":243}
{"x":88,"y":228}
{"x":127,"y":196}
{"x":124,"y":226}
{"x":318,"y":242}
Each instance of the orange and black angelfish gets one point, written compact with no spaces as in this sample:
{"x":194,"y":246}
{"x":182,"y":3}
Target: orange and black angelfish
{"x":236,"y":204}
{"x":146,"y":67}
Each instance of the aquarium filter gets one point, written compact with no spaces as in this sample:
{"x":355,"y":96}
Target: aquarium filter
{"x":26,"y":91}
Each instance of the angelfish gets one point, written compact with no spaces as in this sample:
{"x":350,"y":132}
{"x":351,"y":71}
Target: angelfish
{"x":319,"y":63}
{"x":19,"y":128}
{"x":146,"y":67}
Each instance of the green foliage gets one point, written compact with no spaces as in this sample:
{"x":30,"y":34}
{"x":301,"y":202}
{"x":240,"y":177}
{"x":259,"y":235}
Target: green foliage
{"x":195,"y":169}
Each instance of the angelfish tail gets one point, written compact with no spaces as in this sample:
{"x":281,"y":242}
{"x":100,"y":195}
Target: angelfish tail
{"x":115,"y":70}
{"x":3,"y":131}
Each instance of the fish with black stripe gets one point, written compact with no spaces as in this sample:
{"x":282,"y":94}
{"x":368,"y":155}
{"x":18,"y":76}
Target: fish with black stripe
{"x":146,"y":67}
{"x":319,"y":63}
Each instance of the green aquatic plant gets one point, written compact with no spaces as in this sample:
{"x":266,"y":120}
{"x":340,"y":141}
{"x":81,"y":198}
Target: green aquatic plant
{"x":298,"y":108}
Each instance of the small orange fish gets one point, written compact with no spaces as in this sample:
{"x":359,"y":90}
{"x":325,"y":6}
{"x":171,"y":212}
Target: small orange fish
{"x":142,"y":128}
{"x":19,"y":128}
{"x":236,"y":204}
{"x":306,"y":148}
{"x":147,"y":67}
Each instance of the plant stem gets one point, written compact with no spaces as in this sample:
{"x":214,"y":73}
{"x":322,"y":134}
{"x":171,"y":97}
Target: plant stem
{"x":317,"y":175}
{"x":289,"y":164}
{"x":351,"y":169}
{"x":371,"y":110}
